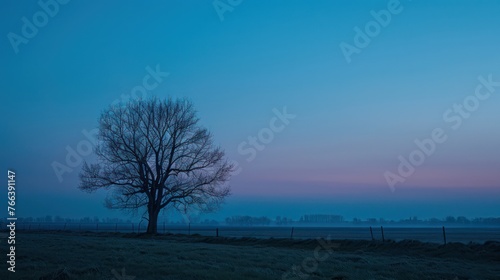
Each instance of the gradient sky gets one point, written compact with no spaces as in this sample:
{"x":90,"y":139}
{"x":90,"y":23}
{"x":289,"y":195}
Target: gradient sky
{"x":352,"y":120}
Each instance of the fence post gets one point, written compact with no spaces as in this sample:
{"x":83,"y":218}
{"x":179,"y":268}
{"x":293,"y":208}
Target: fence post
{"x":444,"y":235}
{"x":217,"y":232}
{"x":371,"y":233}
{"x":164,"y":227}
{"x":291,"y":233}
{"x":383,"y":237}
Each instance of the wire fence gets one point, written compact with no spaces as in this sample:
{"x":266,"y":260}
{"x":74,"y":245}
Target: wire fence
{"x":424,"y":234}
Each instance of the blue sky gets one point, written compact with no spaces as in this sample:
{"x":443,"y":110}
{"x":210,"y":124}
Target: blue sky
{"x":352,"y":120}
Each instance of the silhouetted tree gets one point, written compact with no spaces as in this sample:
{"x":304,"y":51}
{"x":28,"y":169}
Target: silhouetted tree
{"x":154,"y":153}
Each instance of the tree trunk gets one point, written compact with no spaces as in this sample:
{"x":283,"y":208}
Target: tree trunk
{"x":153,"y":222}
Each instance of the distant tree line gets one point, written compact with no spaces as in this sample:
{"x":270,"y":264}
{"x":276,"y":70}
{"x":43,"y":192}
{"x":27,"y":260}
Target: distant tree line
{"x":325,"y":219}
{"x":59,"y":219}
{"x":449,"y":220}
{"x":248,"y":221}
{"x":283,"y":221}
{"x":320,"y":219}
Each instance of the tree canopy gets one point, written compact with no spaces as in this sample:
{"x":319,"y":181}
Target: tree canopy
{"x":154,"y":153}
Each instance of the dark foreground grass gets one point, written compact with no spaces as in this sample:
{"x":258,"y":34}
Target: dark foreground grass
{"x":70,"y":255}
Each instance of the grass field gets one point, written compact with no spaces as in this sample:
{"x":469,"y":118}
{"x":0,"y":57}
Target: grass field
{"x":69,"y":255}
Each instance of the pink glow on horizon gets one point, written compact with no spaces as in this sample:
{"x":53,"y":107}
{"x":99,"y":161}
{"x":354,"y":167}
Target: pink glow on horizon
{"x":322,"y":182}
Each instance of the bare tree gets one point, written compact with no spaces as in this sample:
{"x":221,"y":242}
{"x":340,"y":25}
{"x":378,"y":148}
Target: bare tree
{"x":154,"y":154}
